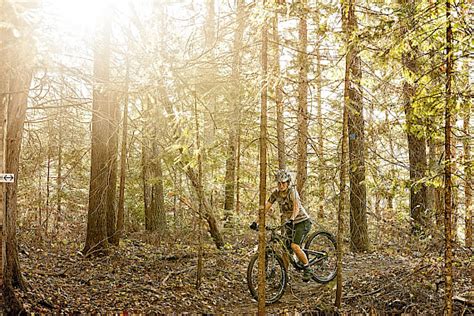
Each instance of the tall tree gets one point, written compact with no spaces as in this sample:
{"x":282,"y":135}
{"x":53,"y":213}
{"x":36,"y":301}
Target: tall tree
{"x":96,"y":237}
{"x":415,"y":134}
{"x":320,"y":128}
{"x":112,"y":157}
{"x":468,"y":166}
{"x":448,"y":197}
{"x":155,"y":217}
{"x":16,"y":55}
{"x":358,"y":214}
{"x":278,"y":88}
{"x":123,"y":159}
{"x":263,"y":165}
{"x":302,"y":147}
{"x":234,"y":117}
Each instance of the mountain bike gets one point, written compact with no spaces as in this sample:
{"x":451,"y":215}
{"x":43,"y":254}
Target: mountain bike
{"x":320,"y":248}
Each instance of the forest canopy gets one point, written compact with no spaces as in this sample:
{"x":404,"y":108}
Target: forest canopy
{"x":157,"y":127}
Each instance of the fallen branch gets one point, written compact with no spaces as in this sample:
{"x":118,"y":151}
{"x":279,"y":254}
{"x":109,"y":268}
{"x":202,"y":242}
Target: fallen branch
{"x":464,"y":300}
{"x":175,"y":273}
{"x":384,"y":287}
{"x":56,"y":274}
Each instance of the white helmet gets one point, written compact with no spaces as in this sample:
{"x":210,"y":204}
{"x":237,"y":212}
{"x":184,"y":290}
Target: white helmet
{"x":282,"y":175}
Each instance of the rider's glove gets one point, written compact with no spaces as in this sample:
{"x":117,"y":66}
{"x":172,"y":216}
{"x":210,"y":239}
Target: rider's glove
{"x":253,"y":226}
{"x":290,"y":223}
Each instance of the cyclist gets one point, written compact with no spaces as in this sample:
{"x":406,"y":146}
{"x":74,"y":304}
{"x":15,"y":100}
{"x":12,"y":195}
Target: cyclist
{"x":298,"y":223}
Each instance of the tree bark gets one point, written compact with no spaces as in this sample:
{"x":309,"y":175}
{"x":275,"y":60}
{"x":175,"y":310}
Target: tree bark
{"x":358,"y":214}
{"x":97,"y":237}
{"x":123,"y":161}
{"x":200,"y":209}
{"x":234,"y":119}
{"x":207,"y":210}
{"x":280,"y":124}
{"x":320,"y":151}
{"x":416,"y":139}
{"x":468,"y":184}
{"x":302,"y":146}
{"x":155,"y":217}
{"x":448,"y":198}
{"x":192,"y":176}
{"x":263,"y":169}
{"x":15,"y":80}
{"x":112,"y":153}
{"x":59,"y":179}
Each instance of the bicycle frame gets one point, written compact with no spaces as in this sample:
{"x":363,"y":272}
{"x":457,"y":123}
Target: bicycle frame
{"x":279,"y":241}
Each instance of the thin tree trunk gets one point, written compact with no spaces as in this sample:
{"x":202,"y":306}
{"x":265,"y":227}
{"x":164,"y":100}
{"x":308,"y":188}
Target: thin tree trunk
{"x":320,"y":152}
{"x":192,"y":176}
{"x":237,"y":172}
{"x":45,"y":225}
{"x":468,"y":184}
{"x":59,"y":180}
{"x":302,"y":146}
{"x":346,"y":11}
{"x":112,"y":152}
{"x":199,"y":179}
{"x":207,"y":209}
{"x":281,"y":147}
{"x":263,"y":171}
{"x":123,"y":161}
{"x":448,"y":198}
{"x":152,"y":173}
{"x":234,"y":119}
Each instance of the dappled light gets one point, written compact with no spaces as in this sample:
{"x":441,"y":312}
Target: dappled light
{"x":236,"y":157}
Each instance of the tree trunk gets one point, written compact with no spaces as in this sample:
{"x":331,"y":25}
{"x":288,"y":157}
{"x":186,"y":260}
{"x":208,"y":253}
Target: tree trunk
{"x":191,"y":174}
{"x":468,"y":166}
{"x":207,"y":210}
{"x":15,"y":80}
{"x":123,"y":161}
{"x":448,"y":198}
{"x":280,"y":124}
{"x":358,"y":213}
{"x":320,"y":151}
{"x":112,"y":152}
{"x":155,"y":219}
{"x":97,"y":238}
{"x":302,"y":146}
{"x":200,"y":209}
{"x":59,"y":180}
{"x":416,"y":140}
{"x":45,"y":224}
{"x":263,"y":170}
{"x":234,"y":119}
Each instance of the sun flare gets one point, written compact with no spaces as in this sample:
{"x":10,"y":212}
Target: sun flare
{"x":80,"y":15}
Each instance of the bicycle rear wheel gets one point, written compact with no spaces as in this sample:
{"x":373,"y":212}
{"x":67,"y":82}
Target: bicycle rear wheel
{"x":320,"y":247}
{"x":276,"y":277}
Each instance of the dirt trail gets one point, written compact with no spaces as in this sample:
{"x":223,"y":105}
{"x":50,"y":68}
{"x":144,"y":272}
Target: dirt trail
{"x":137,"y":278}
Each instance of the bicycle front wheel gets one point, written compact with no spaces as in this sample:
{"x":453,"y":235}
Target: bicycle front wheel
{"x":320,"y":248}
{"x":275,"y":274}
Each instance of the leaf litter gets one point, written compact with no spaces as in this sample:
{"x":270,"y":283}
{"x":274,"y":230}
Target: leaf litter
{"x":139,"y":277}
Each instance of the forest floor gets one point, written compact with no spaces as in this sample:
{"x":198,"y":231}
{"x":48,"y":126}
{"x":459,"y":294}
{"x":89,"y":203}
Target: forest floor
{"x":141,"y":277}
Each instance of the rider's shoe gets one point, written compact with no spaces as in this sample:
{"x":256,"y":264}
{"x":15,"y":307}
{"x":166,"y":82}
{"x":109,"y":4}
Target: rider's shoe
{"x":307,"y":274}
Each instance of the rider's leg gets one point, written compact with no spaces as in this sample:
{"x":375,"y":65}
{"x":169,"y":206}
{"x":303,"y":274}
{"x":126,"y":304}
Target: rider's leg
{"x":299,"y":253}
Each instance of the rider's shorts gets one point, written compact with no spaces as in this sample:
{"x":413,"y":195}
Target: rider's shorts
{"x":299,"y":231}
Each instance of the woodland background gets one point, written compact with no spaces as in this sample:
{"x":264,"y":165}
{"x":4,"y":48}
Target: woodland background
{"x":147,"y":133}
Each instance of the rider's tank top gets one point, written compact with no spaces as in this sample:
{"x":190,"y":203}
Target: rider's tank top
{"x":286,"y":204}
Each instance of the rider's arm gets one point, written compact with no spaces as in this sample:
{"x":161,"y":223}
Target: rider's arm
{"x":268,"y":206}
{"x":296,"y":208}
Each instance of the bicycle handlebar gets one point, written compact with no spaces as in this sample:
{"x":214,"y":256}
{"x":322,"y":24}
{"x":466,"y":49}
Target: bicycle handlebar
{"x":254,"y":226}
